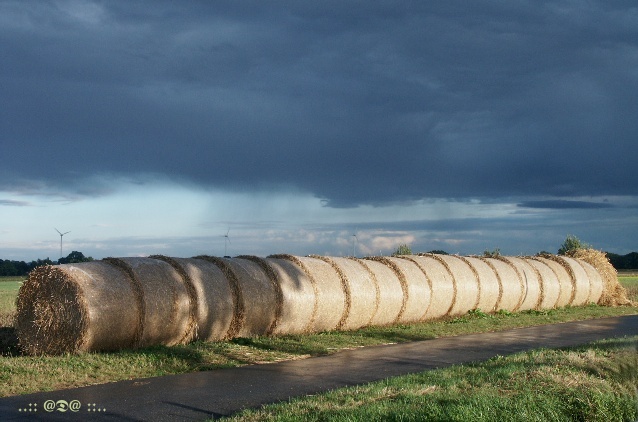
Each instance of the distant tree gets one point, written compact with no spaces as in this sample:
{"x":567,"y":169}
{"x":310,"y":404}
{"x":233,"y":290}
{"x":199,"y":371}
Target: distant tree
{"x":39,"y":263}
{"x":8,"y":268}
{"x":74,"y":257}
{"x":438,"y":252}
{"x":403,"y":249}
{"x":492,"y":254}
{"x":572,"y":243}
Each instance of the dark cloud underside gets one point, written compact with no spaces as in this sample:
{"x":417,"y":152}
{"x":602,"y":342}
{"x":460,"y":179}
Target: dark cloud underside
{"x":562,"y":204}
{"x":353,"y":101}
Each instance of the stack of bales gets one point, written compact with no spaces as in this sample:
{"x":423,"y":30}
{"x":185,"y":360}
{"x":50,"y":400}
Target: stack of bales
{"x":138,"y":302}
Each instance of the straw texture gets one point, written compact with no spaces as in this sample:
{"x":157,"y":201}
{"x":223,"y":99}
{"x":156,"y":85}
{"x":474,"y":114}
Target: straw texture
{"x":613,"y":293}
{"x":512,"y":295}
{"x":191,"y":329}
{"x":467,"y":287}
{"x":298,"y":299}
{"x":259,"y":297}
{"x":52,"y":316}
{"x":330,"y":304}
{"x":595,"y":282}
{"x":580,"y":280}
{"x":550,"y":286}
{"x":236,"y":296}
{"x":442,"y":284}
{"x":564,"y":280}
{"x":391,"y":299}
{"x":490,"y":290}
{"x":214,"y":310}
{"x":166,"y":301}
{"x":531,"y":283}
{"x":414,"y":285}
{"x":361,"y":289}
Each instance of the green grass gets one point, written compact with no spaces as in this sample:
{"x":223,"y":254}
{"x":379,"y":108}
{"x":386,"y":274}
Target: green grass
{"x":592,"y":383}
{"x":24,"y":374}
{"x":630,"y":283}
{"x":9,"y":287}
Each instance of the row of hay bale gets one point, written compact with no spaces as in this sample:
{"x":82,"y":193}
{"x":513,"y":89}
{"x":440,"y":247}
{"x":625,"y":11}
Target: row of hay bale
{"x":137,"y":302}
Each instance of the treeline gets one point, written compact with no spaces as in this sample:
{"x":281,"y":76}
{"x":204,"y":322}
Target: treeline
{"x":21,"y":268}
{"x":624,"y":262}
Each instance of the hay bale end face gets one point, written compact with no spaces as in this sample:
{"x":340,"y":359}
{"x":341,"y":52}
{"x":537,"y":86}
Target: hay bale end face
{"x":127,"y":303}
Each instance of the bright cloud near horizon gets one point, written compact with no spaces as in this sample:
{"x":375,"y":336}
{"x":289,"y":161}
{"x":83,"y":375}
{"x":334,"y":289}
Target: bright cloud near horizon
{"x":316,"y":128}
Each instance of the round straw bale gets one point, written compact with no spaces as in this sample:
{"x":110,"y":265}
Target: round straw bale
{"x":215,"y":310}
{"x":237,"y":299}
{"x":276,"y":286}
{"x":613,"y":293}
{"x":564,"y":280}
{"x":391,"y":298}
{"x":595,"y":282}
{"x":362,"y":291}
{"x":467,"y":288}
{"x":442,"y":282}
{"x":490,"y":291}
{"x":531,"y":282}
{"x":550,"y":286}
{"x":418,"y":292}
{"x":298,"y":297}
{"x":330,"y":302}
{"x":512,"y":293}
{"x":258,"y":294}
{"x":345,"y":287}
{"x":191,"y":329}
{"x":166,"y":301}
{"x":580,"y":280}
{"x":69,"y":308}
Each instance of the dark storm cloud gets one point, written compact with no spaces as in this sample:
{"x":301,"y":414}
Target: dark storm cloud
{"x":563,"y":204}
{"x":356,"y":102}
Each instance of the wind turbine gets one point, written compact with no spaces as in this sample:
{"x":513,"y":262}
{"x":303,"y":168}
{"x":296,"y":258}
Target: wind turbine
{"x":226,"y":242}
{"x":61,"y":234}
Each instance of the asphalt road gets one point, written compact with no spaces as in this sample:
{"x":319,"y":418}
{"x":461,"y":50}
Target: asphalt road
{"x":201,"y":395}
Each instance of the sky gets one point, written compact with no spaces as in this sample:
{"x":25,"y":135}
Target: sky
{"x":333,"y":127}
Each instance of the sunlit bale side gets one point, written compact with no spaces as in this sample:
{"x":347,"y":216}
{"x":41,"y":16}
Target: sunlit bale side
{"x":532,"y":283}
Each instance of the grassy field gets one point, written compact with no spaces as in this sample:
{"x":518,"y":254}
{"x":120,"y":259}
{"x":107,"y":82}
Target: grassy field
{"x":630,"y":283}
{"x":590,"y":383}
{"x":597,"y":382}
{"x":9,"y":287}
